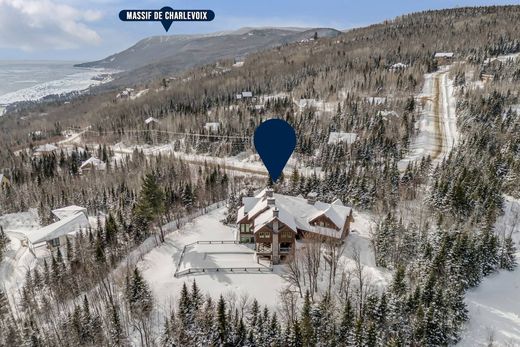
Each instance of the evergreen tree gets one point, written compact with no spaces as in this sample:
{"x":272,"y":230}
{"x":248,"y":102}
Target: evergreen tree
{"x":222,"y":324}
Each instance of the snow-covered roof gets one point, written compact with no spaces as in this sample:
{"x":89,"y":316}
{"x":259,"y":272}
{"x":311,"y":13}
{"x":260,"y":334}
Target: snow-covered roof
{"x":295,"y":212}
{"x":213,"y":126}
{"x":398,"y":66}
{"x":247,"y":94}
{"x":268,"y":216}
{"x":239,"y":96}
{"x":337,"y":137}
{"x":68,"y":225}
{"x":68,"y":211}
{"x":45,"y":148}
{"x":444,"y":55}
{"x":150,"y":120}
{"x":94,"y":162}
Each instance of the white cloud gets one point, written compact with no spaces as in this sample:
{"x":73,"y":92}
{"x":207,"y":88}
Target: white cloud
{"x":35,"y":24}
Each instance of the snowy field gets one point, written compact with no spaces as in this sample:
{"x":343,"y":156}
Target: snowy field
{"x":494,"y":306}
{"x":158,"y":266}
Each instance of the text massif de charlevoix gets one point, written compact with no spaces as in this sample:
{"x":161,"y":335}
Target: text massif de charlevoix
{"x":180,"y":15}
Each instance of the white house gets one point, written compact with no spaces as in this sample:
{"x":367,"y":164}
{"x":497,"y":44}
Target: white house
{"x":55,"y":234}
{"x":444,"y":55}
{"x":93,"y":163}
{"x":341,"y":137}
{"x":4,"y":181}
{"x":247,"y":95}
{"x":398,"y":67}
{"x":212,"y":127}
{"x":45,"y":149}
{"x":151,"y":120}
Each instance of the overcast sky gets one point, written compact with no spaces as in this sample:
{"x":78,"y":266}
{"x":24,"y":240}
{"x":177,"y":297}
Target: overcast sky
{"x":83,"y":30}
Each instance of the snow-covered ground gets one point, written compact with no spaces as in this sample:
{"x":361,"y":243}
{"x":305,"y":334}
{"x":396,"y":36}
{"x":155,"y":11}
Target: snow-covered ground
{"x":494,"y":306}
{"x":437,"y":124}
{"x":158,"y":266}
{"x":18,"y":259}
{"x":219,"y":256}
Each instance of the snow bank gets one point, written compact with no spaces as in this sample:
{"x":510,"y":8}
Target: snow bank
{"x":494,"y":306}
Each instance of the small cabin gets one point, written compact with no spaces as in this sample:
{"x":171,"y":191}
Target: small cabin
{"x":444,"y":58}
{"x":93,"y":164}
{"x":4,"y":181}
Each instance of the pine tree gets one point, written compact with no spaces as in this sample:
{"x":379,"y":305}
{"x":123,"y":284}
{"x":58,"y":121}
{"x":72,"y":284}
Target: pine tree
{"x":306,"y":326}
{"x":222,"y":324}
{"x":4,"y":241}
{"x":139,"y":296}
{"x":346,"y":323}
{"x":507,"y":254}
{"x":4,"y":306}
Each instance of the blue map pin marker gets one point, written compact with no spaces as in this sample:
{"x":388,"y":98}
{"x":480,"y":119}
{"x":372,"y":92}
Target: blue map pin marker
{"x":166,"y":23}
{"x":275,"y":141}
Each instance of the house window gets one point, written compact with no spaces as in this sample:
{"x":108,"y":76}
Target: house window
{"x":245,"y":228}
{"x":55,"y":242}
{"x":286,"y":235}
{"x":246,"y":239}
{"x":264,"y":235}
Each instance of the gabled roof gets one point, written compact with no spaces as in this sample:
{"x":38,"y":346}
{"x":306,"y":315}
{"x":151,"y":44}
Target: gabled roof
{"x":337,"y":137}
{"x":268,"y":216}
{"x":295,"y":212}
{"x":444,"y":55}
{"x":64,"y":212}
{"x":68,"y":225}
{"x":95,"y":162}
{"x":45,"y":148}
{"x":150,"y":120}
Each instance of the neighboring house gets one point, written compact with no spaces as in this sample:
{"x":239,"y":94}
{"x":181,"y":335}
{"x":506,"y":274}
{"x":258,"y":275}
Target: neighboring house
{"x":45,"y":149}
{"x":65,"y":212}
{"x":273,"y":222}
{"x":56,"y":234}
{"x":341,"y":137}
{"x":125,"y":94}
{"x":212,"y":127}
{"x":444,"y":58}
{"x":398,"y":67}
{"x":4,"y":181}
{"x":93,"y":164}
{"x":247,"y":95}
{"x":151,"y":120}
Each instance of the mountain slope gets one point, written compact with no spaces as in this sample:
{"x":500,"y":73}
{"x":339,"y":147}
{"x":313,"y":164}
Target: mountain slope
{"x":169,"y":54}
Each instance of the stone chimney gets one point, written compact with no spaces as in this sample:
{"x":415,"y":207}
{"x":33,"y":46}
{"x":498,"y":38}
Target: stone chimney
{"x":311,"y":198}
{"x":269,"y":193}
{"x":276,"y":212}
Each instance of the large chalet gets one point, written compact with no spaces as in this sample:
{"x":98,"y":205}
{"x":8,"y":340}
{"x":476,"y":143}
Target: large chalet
{"x":273,"y":222}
